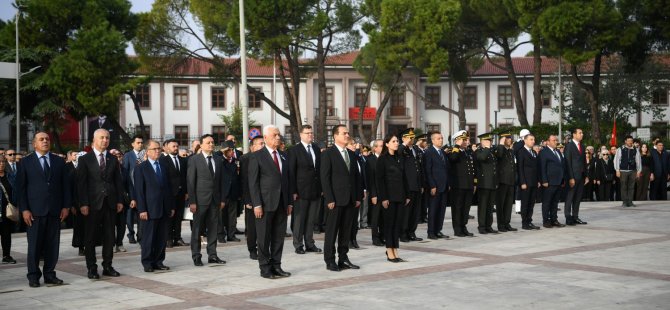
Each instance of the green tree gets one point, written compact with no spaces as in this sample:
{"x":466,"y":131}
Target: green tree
{"x":233,"y":122}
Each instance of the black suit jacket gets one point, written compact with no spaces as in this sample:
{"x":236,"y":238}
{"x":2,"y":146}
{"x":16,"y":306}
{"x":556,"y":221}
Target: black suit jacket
{"x":463,"y":166}
{"x":341,"y":186}
{"x":304,"y":177}
{"x":230,"y":183}
{"x":391,"y":180}
{"x":527,"y":166}
{"x":202,"y":187}
{"x":153,"y":193}
{"x":244,"y":179}
{"x":176,"y":177}
{"x":94,"y":186}
{"x":370,"y":175}
{"x":413,"y":166}
{"x":486,"y":168}
{"x":575,"y":161}
{"x":436,"y":168}
{"x":552,"y":168}
{"x":267,"y":185}
{"x":43,"y":195}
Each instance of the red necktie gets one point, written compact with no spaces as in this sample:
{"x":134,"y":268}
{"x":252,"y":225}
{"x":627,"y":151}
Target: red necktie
{"x":579,"y":147}
{"x":274,"y":155}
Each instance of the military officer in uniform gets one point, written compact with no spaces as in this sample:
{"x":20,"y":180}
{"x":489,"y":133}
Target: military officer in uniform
{"x":487,"y":183}
{"x":463,"y":182}
{"x":506,"y":175}
{"x":412,"y":155}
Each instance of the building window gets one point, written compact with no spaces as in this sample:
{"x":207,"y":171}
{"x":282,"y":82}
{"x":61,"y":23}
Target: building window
{"x":219,"y":133}
{"x":660,"y":97}
{"x":432,"y":97}
{"x":659,"y":129}
{"x":143,"y":96}
{"x":398,"y":102}
{"x":505,"y":99}
{"x":180,"y":97}
{"x":218,"y":97}
{"x":330,"y":101}
{"x":255,"y":101}
{"x":432,"y":128}
{"x":472,"y":131}
{"x":181,"y":135}
{"x":546,"y":93}
{"x":359,"y":99}
{"x":367,"y":131}
{"x":470,"y":97}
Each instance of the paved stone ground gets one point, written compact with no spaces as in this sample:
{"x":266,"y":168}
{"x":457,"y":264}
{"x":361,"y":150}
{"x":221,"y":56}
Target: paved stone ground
{"x":619,"y":260}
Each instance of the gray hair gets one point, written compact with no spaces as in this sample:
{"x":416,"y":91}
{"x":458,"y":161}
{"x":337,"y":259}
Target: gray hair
{"x":268,"y":128}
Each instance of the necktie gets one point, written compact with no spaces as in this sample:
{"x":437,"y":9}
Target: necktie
{"x":157,"y":167}
{"x":45,"y":166}
{"x":557,"y":155}
{"x":209,"y":164}
{"x":531,"y":153}
{"x":439,"y":152}
{"x":346,"y":158}
{"x":309,"y":150}
{"x":176,"y":162}
{"x":276,"y":160}
{"x":13,"y":168}
{"x":101,"y":160}
{"x":579,"y":147}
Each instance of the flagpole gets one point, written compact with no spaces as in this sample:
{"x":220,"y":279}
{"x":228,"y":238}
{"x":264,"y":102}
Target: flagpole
{"x":244,"y":101}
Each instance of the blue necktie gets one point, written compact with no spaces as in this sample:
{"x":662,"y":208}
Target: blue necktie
{"x":158,"y":171}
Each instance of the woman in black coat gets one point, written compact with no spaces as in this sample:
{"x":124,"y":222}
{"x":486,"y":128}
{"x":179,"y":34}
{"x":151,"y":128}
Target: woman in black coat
{"x":604,"y":176}
{"x":392,"y":192}
{"x":590,"y":173}
{"x":6,"y":225}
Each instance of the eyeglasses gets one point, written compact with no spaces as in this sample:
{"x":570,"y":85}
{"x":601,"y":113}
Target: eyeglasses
{"x":9,"y":154}
{"x":154,"y":149}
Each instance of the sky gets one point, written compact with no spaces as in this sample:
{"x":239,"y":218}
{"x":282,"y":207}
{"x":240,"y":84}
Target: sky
{"x":7,"y":11}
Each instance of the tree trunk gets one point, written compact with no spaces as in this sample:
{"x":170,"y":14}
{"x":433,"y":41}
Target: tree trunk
{"x":595,"y":99}
{"x":125,"y":138}
{"x":56,"y":137}
{"x":294,"y":107}
{"x":138,"y":112}
{"x":368,"y":88}
{"x":514,"y":82}
{"x":322,"y":134}
{"x":537,"y":84}
{"x":460,"y":91}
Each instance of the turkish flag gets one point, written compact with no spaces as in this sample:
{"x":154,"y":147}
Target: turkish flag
{"x":613,"y":139}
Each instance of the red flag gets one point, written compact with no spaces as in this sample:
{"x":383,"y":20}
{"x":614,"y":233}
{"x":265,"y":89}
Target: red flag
{"x":613,"y":139}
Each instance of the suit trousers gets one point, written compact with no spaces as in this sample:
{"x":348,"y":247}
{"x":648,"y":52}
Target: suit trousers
{"x":410,"y":215}
{"x":205,"y":219}
{"x":504,"y":204}
{"x":250,"y":229}
{"x":7,"y":227}
{"x":628,"y":186}
{"x":658,"y":189}
{"x":228,"y":221}
{"x":131,"y":219}
{"x":485,"y":207}
{"x":642,"y":186}
{"x":377,"y":222}
{"x":338,"y":226}
{"x":43,"y":238}
{"x":174,"y":224}
{"x":527,"y":203}
{"x":605,"y":190}
{"x":550,"y":197}
{"x":154,"y":240}
{"x":304,"y":216}
{"x":573,"y":199}
{"x":120,"y":223}
{"x":460,"y":209}
{"x":436,"y":212}
{"x":393,"y":219}
{"x":270,"y":233}
{"x":100,"y":222}
{"x":363,"y":214}
{"x":354,"y":225}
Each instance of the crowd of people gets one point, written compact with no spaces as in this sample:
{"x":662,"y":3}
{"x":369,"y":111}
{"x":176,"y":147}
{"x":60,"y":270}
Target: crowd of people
{"x":389,"y":187}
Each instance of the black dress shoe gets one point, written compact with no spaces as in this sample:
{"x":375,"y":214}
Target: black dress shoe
{"x":221,"y":240}
{"x":215,"y":260}
{"x":132,"y":240}
{"x":110,"y":272}
{"x":169,"y":244}
{"x":570,"y":222}
{"x":288,"y":235}
{"x":354,"y":244}
{"x":332,"y":267}
{"x":9,"y":260}
{"x":234,"y":239}
{"x":180,"y":242}
{"x":510,"y":228}
{"x":313,"y":250}
{"x":533,"y":226}
{"x":377,"y":242}
{"x":53,"y":281}
{"x":346,"y":264}
{"x":432,"y":237}
{"x":439,"y":234}
{"x":526,"y":227}
{"x":280,"y":272}
{"x":460,"y":234}
{"x":482,"y":231}
{"x":238,"y":232}
{"x":467,"y":233}
{"x":253,"y":255}
{"x":547,"y":225}
{"x":300,"y":250}
{"x":161,"y":267}
{"x":471,"y":217}
{"x":413,"y":237}
{"x":502,"y":229}
{"x":198,"y":262}
{"x":81,"y":251}
{"x":148,"y":269}
{"x":269,"y":275}
{"x":93,"y":274}
{"x":578,"y":221}
{"x":404,"y":239}
{"x":34,"y":283}
{"x":557,"y":224}
{"x":490,"y":230}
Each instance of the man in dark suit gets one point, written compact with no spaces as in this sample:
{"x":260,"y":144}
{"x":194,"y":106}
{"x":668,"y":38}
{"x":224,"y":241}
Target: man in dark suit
{"x":360,"y":164}
{"x":102,"y":122}
{"x":44,"y":195}
{"x":376,"y":226}
{"x":487,"y":183}
{"x":230,"y":184}
{"x":11,"y":167}
{"x":100,"y":191}
{"x":304,"y":160}
{"x":155,"y":205}
{"x":575,"y":160}
{"x":506,"y":179}
{"x":130,"y":160}
{"x":527,"y":165}
{"x":436,"y":166}
{"x":661,"y":158}
{"x":341,"y":183}
{"x":249,"y":217}
{"x":176,"y":173}
{"x":552,"y":168}
{"x":271,"y":199}
{"x":462,"y":183}
{"x":409,"y":217}
{"x":203,"y":185}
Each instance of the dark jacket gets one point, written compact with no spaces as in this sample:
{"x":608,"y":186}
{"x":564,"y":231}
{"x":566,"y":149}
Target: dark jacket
{"x":230,"y":182}
{"x":463,"y":166}
{"x":413,"y":167}
{"x":266,"y":184}
{"x":244,"y":179}
{"x":370,"y":175}
{"x":487,"y":170}
{"x":390,"y":178}
{"x":436,"y":168}
{"x":43,"y":195}
{"x":304,"y":178}
{"x":506,"y":165}
{"x":552,"y":169}
{"x":604,"y":170}
{"x":177,"y":177}
{"x":528,"y":167}
{"x":153,"y":193}
{"x":202,"y":187}
{"x":575,"y":161}
{"x":94,"y":187}
{"x":340,"y":185}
